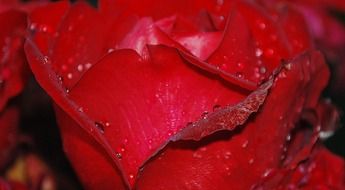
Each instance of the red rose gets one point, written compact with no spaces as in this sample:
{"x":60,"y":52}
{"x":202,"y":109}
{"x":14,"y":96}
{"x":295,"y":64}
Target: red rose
{"x":182,"y":95}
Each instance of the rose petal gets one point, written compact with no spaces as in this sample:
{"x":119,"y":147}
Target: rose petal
{"x":236,"y":159}
{"x":137,"y":139}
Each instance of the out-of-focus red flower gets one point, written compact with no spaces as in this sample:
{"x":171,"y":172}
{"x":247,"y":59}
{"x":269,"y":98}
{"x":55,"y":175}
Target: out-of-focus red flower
{"x":13,"y":23}
{"x":13,"y":73}
{"x":181,"y":94}
{"x":12,"y":58}
{"x":13,"y":70}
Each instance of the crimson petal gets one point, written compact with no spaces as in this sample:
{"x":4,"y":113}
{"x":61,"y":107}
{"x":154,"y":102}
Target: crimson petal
{"x":236,"y":159}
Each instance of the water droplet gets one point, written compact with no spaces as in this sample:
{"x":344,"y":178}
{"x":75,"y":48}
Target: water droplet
{"x":251,"y":161}
{"x":228,"y":153}
{"x":285,"y":149}
{"x":44,"y":29}
{"x":100,"y":127}
{"x":125,"y":141}
{"x":240,"y":65}
{"x":122,"y":149}
{"x":258,"y":52}
{"x":239,"y":75}
{"x":197,"y":155}
{"x":80,"y":67}
{"x":45,"y":59}
{"x":325,"y":134}
{"x":110,"y":50}
{"x":69,"y":75}
{"x":131,"y":176}
{"x":60,"y":78}
{"x":288,"y":66}
{"x":288,"y":137}
{"x":262,"y":25}
{"x":245,"y":144}
{"x":88,"y":65}
{"x":80,"y":109}
{"x":33,"y":26}
{"x":267,"y":173}
{"x":118,"y":155}
{"x":262,"y":70}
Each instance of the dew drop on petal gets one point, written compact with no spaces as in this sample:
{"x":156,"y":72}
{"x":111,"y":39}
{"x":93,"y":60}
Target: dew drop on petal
{"x":110,"y":50}
{"x":240,"y":65}
{"x":239,"y":75}
{"x":197,"y":155}
{"x":118,"y":155}
{"x":287,"y":66}
{"x":262,"y":25}
{"x":262,"y":70}
{"x":245,"y":144}
{"x":69,"y":75}
{"x":80,"y":109}
{"x":33,"y":26}
{"x":267,"y":173}
{"x":45,"y":59}
{"x":88,"y":65}
{"x":258,"y":52}
{"x":100,"y":127}
{"x":288,"y":137}
{"x":80,"y":67}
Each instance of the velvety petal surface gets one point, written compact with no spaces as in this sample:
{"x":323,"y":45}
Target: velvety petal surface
{"x":235,"y":159}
